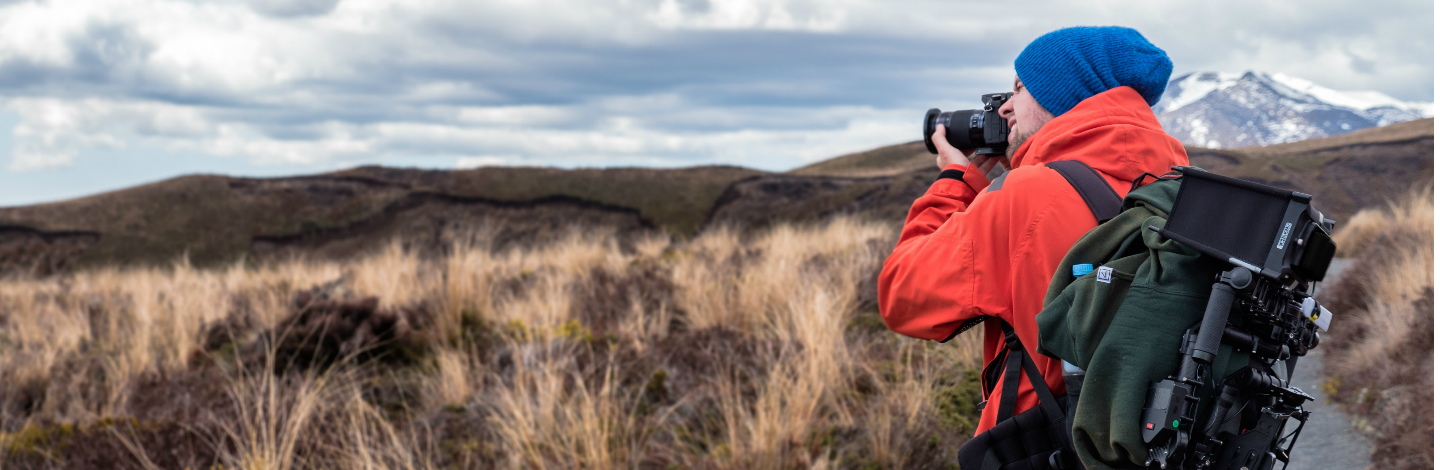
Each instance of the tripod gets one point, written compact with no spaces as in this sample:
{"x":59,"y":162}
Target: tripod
{"x":1270,"y":325}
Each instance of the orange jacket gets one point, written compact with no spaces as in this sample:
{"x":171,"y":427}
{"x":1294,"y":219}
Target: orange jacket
{"x":965,"y":253}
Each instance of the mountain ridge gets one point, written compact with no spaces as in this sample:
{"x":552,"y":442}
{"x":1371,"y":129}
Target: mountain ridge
{"x":1224,"y":110}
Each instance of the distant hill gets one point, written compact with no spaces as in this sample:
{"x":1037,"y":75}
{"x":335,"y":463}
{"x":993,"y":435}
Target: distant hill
{"x":883,"y":161}
{"x":1415,"y":130}
{"x":1344,"y":172}
{"x":217,"y":219}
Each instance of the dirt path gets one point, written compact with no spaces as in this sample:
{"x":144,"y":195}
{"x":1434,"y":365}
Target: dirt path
{"x":1328,"y":442}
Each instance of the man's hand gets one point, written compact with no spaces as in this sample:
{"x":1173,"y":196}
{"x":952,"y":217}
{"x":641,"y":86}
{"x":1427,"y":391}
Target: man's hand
{"x":950,"y":155}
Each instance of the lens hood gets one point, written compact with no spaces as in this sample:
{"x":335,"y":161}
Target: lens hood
{"x":929,"y":129}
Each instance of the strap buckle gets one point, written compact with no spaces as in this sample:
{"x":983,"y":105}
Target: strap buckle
{"x":1012,"y":341}
{"x":1057,"y":461}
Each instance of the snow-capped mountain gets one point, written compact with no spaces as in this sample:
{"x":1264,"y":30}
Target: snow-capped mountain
{"x":1224,"y":110}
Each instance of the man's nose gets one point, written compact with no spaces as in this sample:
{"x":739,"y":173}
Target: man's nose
{"x":1006,"y":110}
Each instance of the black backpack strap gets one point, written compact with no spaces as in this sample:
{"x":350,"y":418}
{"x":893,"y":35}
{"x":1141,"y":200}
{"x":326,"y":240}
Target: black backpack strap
{"x":1016,"y":361}
{"x":1098,"y":194}
{"x":1014,"y":357}
{"x":1059,"y":426}
{"x":1014,"y":364}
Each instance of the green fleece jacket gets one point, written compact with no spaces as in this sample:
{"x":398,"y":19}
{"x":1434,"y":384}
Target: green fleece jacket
{"x":1126,"y":333}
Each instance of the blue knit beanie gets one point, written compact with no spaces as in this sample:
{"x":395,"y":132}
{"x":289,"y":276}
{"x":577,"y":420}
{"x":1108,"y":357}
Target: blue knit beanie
{"x":1066,"y":66}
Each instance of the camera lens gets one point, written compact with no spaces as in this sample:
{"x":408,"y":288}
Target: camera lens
{"x":964,"y":129}
{"x":982,"y":130}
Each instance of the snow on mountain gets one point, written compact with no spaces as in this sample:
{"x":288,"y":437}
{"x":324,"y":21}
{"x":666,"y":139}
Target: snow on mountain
{"x":1192,"y":87}
{"x":1224,"y":110}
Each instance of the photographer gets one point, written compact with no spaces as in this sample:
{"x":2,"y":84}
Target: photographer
{"x":974,"y":250}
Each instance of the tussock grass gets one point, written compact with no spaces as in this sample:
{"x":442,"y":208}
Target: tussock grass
{"x":727,"y":350}
{"x":1378,"y":354}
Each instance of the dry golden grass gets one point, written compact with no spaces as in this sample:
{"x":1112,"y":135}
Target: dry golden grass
{"x":729,"y":350}
{"x":1378,"y":355}
{"x":1413,"y":216}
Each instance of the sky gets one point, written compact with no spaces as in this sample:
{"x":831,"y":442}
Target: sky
{"x":102,"y":95}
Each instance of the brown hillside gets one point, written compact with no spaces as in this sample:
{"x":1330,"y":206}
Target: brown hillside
{"x":216,"y":219}
{"x":1398,"y":132}
{"x":1345,"y":173}
{"x":761,"y":201}
{"x":884,"y":161}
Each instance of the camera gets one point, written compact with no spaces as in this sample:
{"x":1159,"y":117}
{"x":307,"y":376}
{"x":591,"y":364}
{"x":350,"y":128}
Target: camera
{"x":1279,"y":247}
{"x":980,"y":129}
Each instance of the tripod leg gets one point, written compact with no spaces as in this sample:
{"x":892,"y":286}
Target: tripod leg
{"x":1217,"y":313}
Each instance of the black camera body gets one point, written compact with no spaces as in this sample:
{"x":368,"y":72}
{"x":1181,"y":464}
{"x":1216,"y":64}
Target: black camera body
{"x":980,"y":129}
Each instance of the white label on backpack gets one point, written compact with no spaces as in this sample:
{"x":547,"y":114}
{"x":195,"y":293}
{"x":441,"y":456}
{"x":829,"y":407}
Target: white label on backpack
{"x":1103,"y":274}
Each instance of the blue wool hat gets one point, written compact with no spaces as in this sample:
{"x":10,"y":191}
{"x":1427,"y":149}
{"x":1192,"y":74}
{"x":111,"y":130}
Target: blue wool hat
{"x":1066,"y":66}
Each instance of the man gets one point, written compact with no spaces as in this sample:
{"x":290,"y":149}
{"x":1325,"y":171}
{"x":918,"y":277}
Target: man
{"x":974,"y":249}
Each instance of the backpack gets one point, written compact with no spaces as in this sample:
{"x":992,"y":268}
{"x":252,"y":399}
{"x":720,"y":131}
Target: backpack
{"x":1124,"y":325}
{"x":1148,"y":323}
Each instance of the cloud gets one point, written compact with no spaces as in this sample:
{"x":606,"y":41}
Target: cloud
{"x":289,"y":8}
{"x":771,"y":84}
{"x":815,"y":16}
{"x":54,"y":131}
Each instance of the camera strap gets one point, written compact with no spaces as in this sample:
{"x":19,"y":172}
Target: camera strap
{"x":1140,"y":180}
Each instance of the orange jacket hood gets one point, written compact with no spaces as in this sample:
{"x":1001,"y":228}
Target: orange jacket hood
{"x":1114,"y":132}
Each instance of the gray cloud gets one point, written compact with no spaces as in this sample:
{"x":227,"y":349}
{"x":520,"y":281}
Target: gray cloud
{"x":771,"y":84}
{"x":292,"y":8}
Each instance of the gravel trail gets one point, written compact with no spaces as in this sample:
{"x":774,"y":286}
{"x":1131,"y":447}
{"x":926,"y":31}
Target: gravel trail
{"x":1327,"y":442}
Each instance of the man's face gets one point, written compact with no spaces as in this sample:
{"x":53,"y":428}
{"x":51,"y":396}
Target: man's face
{"x":1026,"y":116}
